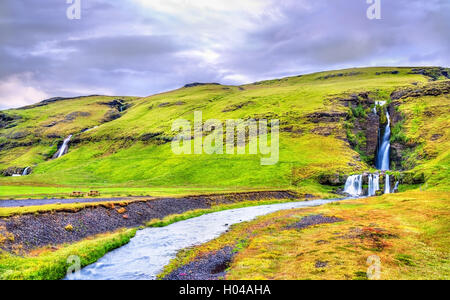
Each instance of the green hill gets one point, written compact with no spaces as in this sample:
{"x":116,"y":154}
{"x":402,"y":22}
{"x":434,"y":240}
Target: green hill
{"x":326,"y":133}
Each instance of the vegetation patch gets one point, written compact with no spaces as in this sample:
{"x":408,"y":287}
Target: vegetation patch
{"x":406,"y":231}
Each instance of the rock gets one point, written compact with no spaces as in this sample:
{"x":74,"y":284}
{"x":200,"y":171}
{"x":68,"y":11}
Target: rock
{"x":122,"y":210}
{"x":13,"y":171}
{"x":7,"y":121}
{"x":433,"y":72}
{"x":371,"y":133}
{"x":432,"y":89}
{"x":412,"y":178}
{"x":338,"y":75}
{"x":387,"y":72}
{"x":19,"y":135}
{"x":321,"y":264}
{"x":111,"y":115}
{"x":332,"y":179}
{"x":189,"y":85}
{"x":326,"y":117}
{"x":168,"y":104}
{"x":74,"y":115}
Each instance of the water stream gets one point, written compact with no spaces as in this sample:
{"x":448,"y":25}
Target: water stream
{"x":64,"y":146}
{"x":354,"y":184}
{"x":25,"y":171}
{"x":153,"y":248}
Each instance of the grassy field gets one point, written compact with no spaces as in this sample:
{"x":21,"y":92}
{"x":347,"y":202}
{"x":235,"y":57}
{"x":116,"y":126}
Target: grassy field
{"x":52,"y":263}
{"x":407,"y":232}
{"x":117,"y":159}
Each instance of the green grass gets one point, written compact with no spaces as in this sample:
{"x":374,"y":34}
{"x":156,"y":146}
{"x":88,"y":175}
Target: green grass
{"x":407,"y":231}
{"x":114,"y":156}
{"x":50,"y":264}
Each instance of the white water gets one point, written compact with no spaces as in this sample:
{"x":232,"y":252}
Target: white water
{"x":387,"y":184}
{"x":378,"y":103}
{"x":64,"y":146}
{"x":384,"y":151}
{"x":396,"y":187}
{"x":374,"y":184}
{"x":353,"y":185}
{"x":25,"y":172}
{"x":153,"y":248}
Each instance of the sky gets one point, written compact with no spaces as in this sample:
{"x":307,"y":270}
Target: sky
{"x":143,"y":47}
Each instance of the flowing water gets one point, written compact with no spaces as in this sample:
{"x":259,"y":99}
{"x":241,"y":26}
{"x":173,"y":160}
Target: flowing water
{"x":374,"y":184}
{"x":25,"y":172}
{"x":354,"y":184}
{"x":383,"y":160}
{"x":152,"y":248}
{"x":64,"y":146}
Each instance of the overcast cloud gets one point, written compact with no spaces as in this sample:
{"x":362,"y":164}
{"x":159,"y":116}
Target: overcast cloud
{"x":141,"y":47}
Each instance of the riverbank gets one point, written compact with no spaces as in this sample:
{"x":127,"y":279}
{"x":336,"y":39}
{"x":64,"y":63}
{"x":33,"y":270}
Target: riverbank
{"x":404,"y":236}
{"x":49,"y":262}
{"x":34,"y":229}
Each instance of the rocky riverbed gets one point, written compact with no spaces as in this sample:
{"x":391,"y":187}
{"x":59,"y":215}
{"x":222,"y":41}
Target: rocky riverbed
{"x":30,"y":231}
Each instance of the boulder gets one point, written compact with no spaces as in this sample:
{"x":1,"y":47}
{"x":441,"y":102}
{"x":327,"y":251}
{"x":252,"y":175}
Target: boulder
{"x":332,"y":179}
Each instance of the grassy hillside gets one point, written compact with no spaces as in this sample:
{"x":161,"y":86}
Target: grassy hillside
{"x":131,"y":149}
{"x":407,"y":232}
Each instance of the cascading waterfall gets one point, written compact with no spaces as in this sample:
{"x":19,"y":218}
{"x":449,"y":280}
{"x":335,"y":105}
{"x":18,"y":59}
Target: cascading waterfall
{"x":353,"y":186}
{"x":374,"y":184}
{"x":383,"y":161}
{"x":396,"y":186}
{"x":64,"y":146}
{"x":25,"y":172}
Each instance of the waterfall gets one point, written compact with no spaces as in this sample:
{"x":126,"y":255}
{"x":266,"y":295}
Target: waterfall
{"x":378,"y":103}
{"x":395,"y":190}
{"x":25,"y":172}
{"x":374,"y":184}
{"x":64,"y":146}
{"x":384,"y":150}
{"x":353,"y":185}
{"x":387,"y":185}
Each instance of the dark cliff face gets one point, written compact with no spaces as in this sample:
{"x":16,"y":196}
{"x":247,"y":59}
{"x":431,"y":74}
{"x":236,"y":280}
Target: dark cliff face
{"x":371,"y":131}
{"x":7,"y":121}
{"x":365,"y":125}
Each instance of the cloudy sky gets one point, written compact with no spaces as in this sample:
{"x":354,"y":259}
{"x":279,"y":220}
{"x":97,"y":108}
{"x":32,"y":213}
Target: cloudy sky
{"x":141,"y":47}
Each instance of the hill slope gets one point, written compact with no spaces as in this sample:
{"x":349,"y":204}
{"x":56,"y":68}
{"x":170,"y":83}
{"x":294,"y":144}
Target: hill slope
{"x":326,"y":123}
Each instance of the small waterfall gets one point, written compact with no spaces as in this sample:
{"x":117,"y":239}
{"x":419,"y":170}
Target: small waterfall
{"x":378,"y":103}
{"x":64,"y":146}
{"x":395,"y":190}
{"x":25,"y":172}
{"x":353,"y":185}
{"x":387,"y":185}
{"x":374,"y":184}
{"x":383,"y":161}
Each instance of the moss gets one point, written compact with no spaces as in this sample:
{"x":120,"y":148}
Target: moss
{"x":398,"y":134}
{"x":69,"y":227}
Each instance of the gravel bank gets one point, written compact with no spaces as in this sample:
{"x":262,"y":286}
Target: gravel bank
{"x":36,"y":230}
